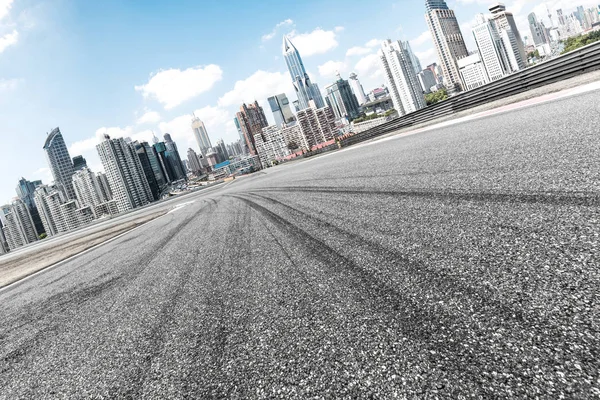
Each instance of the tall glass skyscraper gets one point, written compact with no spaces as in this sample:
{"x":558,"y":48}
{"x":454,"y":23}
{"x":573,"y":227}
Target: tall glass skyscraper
{"x":280,"y":106}
{"x":305,"y":89}
{"x":200,"y":134}
{"x":60,"y":163}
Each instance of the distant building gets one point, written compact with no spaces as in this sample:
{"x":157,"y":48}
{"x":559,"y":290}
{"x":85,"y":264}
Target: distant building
{"x":538,"y":30}
{"x":125,"y":174}
{"x":342,"y":100}
{"x":200,"y":134}
{"x":448,"y":40}
{"x":78,"y":163}
{"x":222,"y":150}
{"x":252,"y":120}
{"x":317,"y":125}
{"x":194,"y":162}
{"x":89,"y":192}
{"x":48,"y":200}
{"x":145,"y":153}
{"x":399,"y":72}
{"x":509,"y":33}
{"x":19,"y":228}
{"x":104,"y":186}
{"x":271,"y":145}
{"x":472,"y":72}
{"x":280,"y":107}
{"x":25,"y":191}
{"x":357,"y":89}
{"x":305,"y":89}
{"x":60,"y":162}
{"x":426,"y":80}
{"x":174,"y":158}
{"x":413,"y":58}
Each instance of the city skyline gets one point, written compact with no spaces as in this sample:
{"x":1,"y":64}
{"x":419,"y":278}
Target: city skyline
{"x":146,"y":108}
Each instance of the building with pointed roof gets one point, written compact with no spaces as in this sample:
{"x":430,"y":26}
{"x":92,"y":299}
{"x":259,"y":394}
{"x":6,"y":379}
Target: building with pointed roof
{"x":305,"y":89}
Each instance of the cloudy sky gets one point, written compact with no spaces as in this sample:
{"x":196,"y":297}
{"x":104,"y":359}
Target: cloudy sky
{"x":130,"y":67}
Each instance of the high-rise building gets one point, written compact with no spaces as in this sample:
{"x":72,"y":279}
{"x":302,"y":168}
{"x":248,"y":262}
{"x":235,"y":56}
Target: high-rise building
{"x":159,"y":173}
{"x":200,"y":134}
{"x":491,"y":49}
{"x":280,"y":107}
{"x":342,"y":100}
{"x":145,"y":153}
{"x":426,"y":80}
{"x":245,"y":149}
{"x":472,"y":72}
{"x":413,"y":58}
{"x":305,"y":89}
{"x":160,"y":149}
{"x":509,"y":33}
{"x":317,"y":125}
{"x":252,"y":120}
{"x":174,"y":158}
{"x":537,"y":30}
{"x":222,"y":150}
{"x":87,"y":188}
{"x":357,"y":89}
{"x":48,"y":200}
{"x":125,"y":174}
{"x":194,"y":162}
{"x":59,"y":162}
{"x":271,"y":145}
{"x":448,"y":40}
{"x":19,"y":229}
{"x":25,"y":191}
{"x":78,"y":163}
{"x":104,"y":186}
{"x":399,"y":72}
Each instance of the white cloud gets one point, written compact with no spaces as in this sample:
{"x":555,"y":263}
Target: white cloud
{"x":272,"y":34}
{"x":8,"y":40}
{"x":427,"y":57}
{"x":373,"y":43}
{"x":258,"y":86}
{"x":318,"y":41}
{"x":330,"y":68}
{"x":149,"y":117}
{"x":357,"y":51}
{"x":368,"y":65}
{"x":173,"y":86}
{"x":421,"y":39}
{"x":5,"y":6}
{"x":339,"y":29}
{"x":7,"y":85}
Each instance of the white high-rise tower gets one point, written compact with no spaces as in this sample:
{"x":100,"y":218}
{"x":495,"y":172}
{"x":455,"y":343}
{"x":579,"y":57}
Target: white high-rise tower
{"x":491,"y":49}
{"x":403,"y":84}
{"x":124,"y":173}
{"x":201,"y":135}
{"x":357,"y":89}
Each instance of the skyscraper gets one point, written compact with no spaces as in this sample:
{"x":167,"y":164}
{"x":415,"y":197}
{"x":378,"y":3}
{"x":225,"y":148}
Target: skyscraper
{"x":538,"y":30}
{"x":448,"y":40}
{"x":222,"y":150}
{"x":305,"y":89}
{"x":19,"y":229}
{"x":509,"y":33}
{"x":427,"y":80}
{"x":342,"y":100}
{"x":399,"y":72}
{"x":491,"y":49}
{"x":472,"y":72}
{"x":87,"y":188}
{"x":194,"y":161}
{"x":25,"y":191}
{"x":280,"y":107}
{"x":357,"y":89}
{"x":317,"y":125}
{"x":252,"y":120}
{"x":413,"y":58}
{"x":48,"y":200}
{"x":271,"y":145}
{"x":174,"y":158}
{"x":144,"y":156}
{"x":243,"y":142}
{"x":200,"y":134}
{"x":78,"y":163}
{"x":60,"y":162}
{"x":125,"y":174}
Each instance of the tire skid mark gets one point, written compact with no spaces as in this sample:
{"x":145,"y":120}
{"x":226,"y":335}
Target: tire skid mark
{"x":557,"y":198}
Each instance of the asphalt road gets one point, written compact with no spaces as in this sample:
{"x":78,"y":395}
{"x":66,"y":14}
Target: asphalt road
{"x":455,"y":263}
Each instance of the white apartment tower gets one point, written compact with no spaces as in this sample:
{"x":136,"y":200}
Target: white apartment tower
{"x":402,"y":81}
{"x":124,"y":173}
{"x":19,"y":228}
{"x":271,"y":145}
{"x":491,"y":49}
{"x":448,"y":40}
{"x":317,"y":125}
{"x":87,"y":188}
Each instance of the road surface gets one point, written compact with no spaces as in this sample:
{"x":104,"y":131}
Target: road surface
{"x":458,"y":263}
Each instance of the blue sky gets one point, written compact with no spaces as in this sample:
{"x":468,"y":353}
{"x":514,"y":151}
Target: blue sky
{"x":129,"y":67}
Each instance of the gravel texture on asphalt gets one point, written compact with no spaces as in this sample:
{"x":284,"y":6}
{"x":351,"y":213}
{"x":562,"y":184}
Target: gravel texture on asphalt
{"x":457,"y":263}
